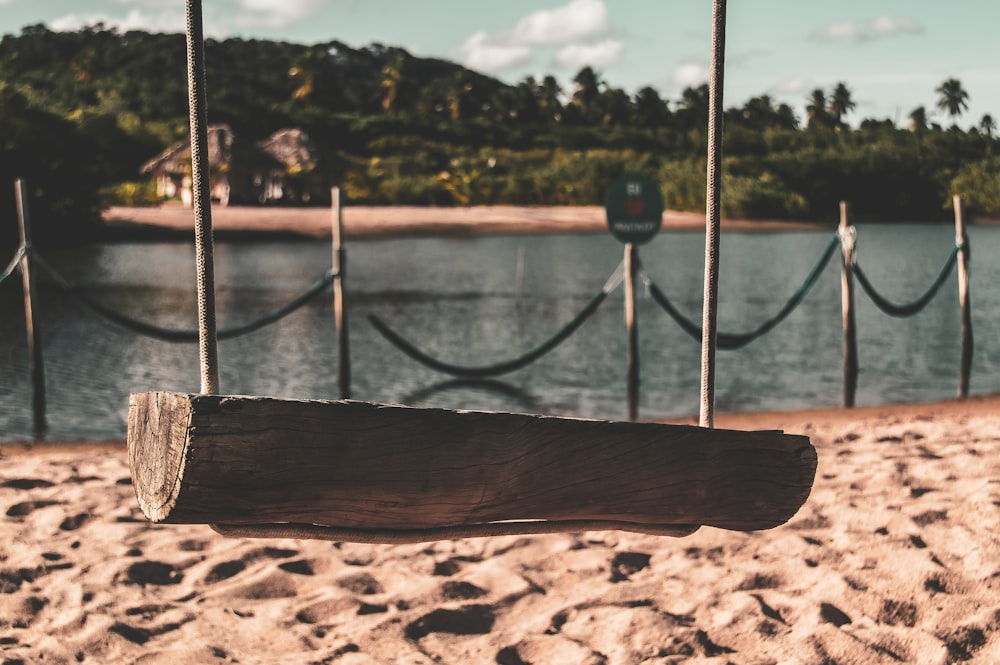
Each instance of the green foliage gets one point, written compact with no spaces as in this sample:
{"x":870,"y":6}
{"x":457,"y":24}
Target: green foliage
{"x":56,"y":161}
{"x":979,"y":186}
{"x":131,"y":193}
{"x":83,"y":110}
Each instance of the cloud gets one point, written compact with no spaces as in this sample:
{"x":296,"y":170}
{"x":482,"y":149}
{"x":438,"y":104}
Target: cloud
{"x":601,"y":54}
{"x":575,"y":29}
{"x":483,"y":54}
{"x":574,"y":21}
{"x":690,"y":74}
{"x":865,"y":31}
{"x":135,"y":19}
{"x":888,"y":26}
{"x":275,"y":13}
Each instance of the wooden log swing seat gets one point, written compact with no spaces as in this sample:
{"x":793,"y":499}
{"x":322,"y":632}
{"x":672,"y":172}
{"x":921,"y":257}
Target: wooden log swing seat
{"x":347,"y":470}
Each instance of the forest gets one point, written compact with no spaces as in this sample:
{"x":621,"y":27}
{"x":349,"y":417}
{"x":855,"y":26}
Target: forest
{"x":81,"y":111}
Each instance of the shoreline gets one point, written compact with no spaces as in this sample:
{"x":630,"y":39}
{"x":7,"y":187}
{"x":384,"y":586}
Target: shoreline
{"x":173,"y":220}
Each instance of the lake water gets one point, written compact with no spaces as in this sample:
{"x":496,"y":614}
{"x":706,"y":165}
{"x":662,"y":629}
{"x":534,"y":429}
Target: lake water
{"x":460,"y":300}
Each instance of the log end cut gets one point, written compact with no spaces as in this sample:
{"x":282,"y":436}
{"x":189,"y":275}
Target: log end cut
{"x":158,"y":426}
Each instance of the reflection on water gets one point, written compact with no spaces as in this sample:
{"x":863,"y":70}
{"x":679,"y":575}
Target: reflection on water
{"x":477,"y":301}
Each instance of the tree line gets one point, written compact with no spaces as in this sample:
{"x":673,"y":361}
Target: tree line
{"x":82,"y":110}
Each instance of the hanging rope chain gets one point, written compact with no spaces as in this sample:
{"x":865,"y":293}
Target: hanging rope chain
{"x":173,"y":335}
{"x":713,"y":199}
{"x":201,"y":190}
{"x":731,"y":341}
{"x":504,"y":367}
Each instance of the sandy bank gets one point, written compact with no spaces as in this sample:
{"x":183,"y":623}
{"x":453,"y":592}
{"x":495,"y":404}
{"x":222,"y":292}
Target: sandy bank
{"x":406,"y":220}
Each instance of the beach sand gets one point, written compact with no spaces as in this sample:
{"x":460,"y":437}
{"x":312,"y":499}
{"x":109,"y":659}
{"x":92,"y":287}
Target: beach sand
{"x":361,"y":221}
{"x":895,"y":558}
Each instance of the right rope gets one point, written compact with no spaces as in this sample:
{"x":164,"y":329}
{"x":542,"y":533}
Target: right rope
{"x":911,"y":308}
{"x":713,"y":198}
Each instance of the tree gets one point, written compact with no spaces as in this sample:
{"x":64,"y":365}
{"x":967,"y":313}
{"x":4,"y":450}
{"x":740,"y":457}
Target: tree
{"x":816,"y":109}
{"x":988,"y":125}
{"x":390,"y":83}
{"x":549,"y":92}
{"x":588,"y":91}
{"x":649,"y":110}
{"x":918,"y":119}
{"x":615,"y":106}
{"x":952,"y":98}
{"x":841,"y":103}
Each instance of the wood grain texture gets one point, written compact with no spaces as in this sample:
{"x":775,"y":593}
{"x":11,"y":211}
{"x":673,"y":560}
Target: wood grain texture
{"x":252,"y":460}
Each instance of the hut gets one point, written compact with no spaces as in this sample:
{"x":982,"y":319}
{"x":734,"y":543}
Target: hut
{"x":303,"y":175}
{"x":282,"y":167}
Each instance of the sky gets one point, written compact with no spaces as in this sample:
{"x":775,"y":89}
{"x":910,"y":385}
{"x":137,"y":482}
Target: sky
{"x":891,"y":54}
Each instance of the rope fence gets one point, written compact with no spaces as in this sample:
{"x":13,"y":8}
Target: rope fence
{"x":915,"y":307}
{"x":732,"y":341}
{"x":513,"y":364}
{"x":182,"y":336}
{"x":846,"y":237}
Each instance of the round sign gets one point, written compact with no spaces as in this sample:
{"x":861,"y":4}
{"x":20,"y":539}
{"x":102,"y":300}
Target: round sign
{"x":634,"y":205}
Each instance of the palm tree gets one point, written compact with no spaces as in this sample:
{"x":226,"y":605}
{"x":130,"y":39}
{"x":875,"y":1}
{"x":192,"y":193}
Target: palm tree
{"x":918,"y":119}
{"x":841,"y":103}
{"x":548,"y":93}
{"x":390,"y":83}
{"x":588,"y":91}
{"x":816,"y":109}
{"x":649,"y":109}
{"x":988,"y":125}
{"x":615,"y":106}
{"x":952,"y":98}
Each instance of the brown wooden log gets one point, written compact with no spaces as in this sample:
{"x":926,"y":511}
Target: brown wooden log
{"x":32,"y":326}
{"x":847,"y":308}
{"x":252,"y":460}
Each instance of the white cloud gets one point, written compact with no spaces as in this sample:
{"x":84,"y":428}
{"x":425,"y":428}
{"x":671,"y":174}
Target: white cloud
{"x":690,"y":74}
{"x":838,"y":32}
{"x":574,"y":21}
{"x":789,"y":86}
{"x":481,"y":53}
{"x":275,"y":13}
{"x":887,"y":26}
{"x":135,"y":19}
{"x":601,"y":54}
{"x":573,"y":26}
{"x":863,"y":31}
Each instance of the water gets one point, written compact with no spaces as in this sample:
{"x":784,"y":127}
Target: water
{"x":459,"y":300}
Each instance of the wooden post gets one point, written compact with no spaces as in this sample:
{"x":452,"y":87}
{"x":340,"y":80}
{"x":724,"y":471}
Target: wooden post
{"x":847,"y":239}
{"x":257,"y":460}
{"x":632,"y":366}
{"x":339,"y":307}
{"x":962,"y":239}
{"x":32,"y":327}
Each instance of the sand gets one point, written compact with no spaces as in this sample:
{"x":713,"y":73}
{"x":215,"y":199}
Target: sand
{"x":360,"y":221}
{"x":895,"y":558}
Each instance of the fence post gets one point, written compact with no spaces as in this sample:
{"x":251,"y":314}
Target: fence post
{"x":32,"y":327}
{"x":962,"y":239}
{"x":339,"y":308}
{"x":847,"y":239}
{"x":632,"y":367}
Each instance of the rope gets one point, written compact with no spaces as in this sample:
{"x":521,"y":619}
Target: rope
{"x":731,"y":341}
{"x":908,"y":309}
{"x":405,"y":536}
{"x":507,"y":366}
{"x":12,"y":266}
{"x":201,"y":189}
{"x":713,"y":198}
{"x":173,"y":335}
